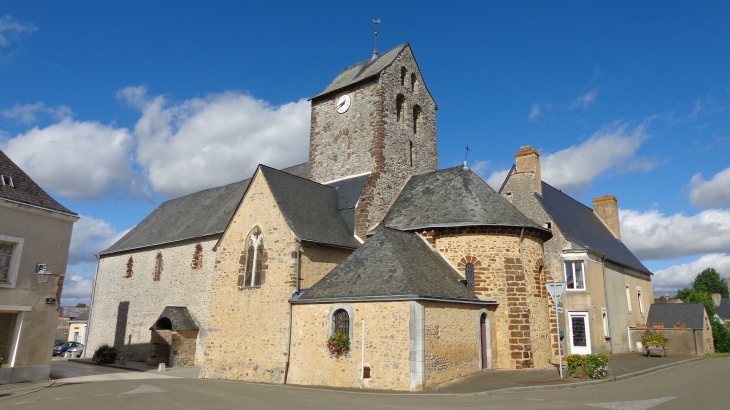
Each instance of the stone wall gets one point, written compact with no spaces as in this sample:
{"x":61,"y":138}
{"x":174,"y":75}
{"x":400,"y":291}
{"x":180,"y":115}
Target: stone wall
{"x":387,"y":346}
{"x":249,"y":327}
{"x":525,"y":333}
{"x":317,"y":261}
{"x":681,"y":341}
{"x":452,"y":341}
{"x":124,"y":308}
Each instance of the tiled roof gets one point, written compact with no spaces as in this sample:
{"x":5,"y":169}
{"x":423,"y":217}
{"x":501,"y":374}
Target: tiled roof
{"x":581,"y":225}
{"x":724,"y":309}
{"x":453,"y":197}
{"x":348,"y":193}
{"x":391,"y":265}
{"x":669,"y":314}
{"x":24,"y":189}
{"x":180,"y":318}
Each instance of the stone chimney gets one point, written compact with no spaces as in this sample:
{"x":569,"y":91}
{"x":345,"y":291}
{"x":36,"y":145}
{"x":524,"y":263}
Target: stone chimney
{"x":717,"y":298}
{"x":606,"y":207}
{"x":528,"y":161}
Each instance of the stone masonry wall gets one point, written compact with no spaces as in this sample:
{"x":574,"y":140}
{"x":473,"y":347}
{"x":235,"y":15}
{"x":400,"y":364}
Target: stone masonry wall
{"x":452,"y":341}
{"x":124,"y":308}
{"x":249,"y":327}
{"x":387,"y":347}
{"x":524,"y":332}
{"x":317,"y":261}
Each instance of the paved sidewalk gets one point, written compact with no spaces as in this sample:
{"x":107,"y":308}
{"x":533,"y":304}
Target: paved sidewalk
{"x":188,"y":372}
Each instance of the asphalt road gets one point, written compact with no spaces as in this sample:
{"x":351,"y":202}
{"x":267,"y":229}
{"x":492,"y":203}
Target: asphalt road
{"x":62,"y":369}
{"x":697,"y":385}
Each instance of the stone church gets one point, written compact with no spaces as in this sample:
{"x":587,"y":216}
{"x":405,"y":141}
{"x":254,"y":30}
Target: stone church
{"x":431,"y":274}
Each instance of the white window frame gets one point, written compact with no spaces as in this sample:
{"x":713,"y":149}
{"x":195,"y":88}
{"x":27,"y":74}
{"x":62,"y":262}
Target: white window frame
{"x":583,"y":273}
{"x":17,"y":243}
{"x":641,"y":300}
{"x":606,"y":327}
{"x":628,"y":297}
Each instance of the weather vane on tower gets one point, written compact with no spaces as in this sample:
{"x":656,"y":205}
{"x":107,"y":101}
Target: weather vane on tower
{"x":375,"y":33}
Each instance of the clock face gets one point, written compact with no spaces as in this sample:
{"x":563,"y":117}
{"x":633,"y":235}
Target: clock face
{"x":343,"y":104}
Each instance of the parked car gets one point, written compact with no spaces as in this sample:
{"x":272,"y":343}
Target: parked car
{"x":75,"y":351}
{"x":61,"y":347}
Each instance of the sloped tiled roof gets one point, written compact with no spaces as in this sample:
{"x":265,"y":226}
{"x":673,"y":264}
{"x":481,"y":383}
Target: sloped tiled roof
{"x":581,"y":225}
{"x":83,"y":317}
{"x":363,"y":70}
{"x":669,"y":314}
{"x":348,"y":193}
{"x":25,"y":190}
{"x":180,"y":318}
{"x":724,"y":309}
{"x":453,"y":197}
{"x":196,"y":215}
{"x":310,"y":209}
{"x":392,"y":265}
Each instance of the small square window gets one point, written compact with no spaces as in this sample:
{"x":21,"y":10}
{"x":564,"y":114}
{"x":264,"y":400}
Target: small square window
{"x":575,"y":275}
{"x":7,"y":180}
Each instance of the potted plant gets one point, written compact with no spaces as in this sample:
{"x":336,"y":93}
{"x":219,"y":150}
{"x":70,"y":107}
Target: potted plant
{"x":338,"y":344}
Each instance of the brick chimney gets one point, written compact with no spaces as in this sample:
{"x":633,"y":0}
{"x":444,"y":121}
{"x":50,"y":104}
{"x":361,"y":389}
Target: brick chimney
{"x":606,"y":207}
{"x":528,"y":161}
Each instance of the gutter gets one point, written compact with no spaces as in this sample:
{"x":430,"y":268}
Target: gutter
{"x":394,"y":298}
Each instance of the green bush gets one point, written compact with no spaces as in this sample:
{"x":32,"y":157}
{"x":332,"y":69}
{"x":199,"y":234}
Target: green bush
{"x":596,"y":366}
{"x":105,"y":354}
{"x":721,"y":335}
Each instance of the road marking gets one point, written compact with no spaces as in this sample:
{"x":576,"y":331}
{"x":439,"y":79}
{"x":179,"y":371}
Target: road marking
{"x":631,"y":405}
{"x":145,"y":388}
{"x":65,"y":398}
{"x":105,"y":394}
{"x":25,"y":402}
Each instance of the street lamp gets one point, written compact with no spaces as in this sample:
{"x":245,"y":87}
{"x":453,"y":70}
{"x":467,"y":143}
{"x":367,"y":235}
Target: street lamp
{"x":43,"y":273}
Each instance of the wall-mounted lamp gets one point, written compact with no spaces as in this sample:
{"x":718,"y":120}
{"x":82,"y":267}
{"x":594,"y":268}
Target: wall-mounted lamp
{"x":44,"y":274}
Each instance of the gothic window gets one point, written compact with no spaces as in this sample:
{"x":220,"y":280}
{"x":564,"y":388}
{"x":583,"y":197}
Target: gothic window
{"x":403,"y":73}
{"x":253,"y":274}
{"x":413,"y":82}
{"x":416,"y":118}
{"x":158,"y":267}
{"x":399,"y":107}
{"x":197,"y":257}
{"x":341,"y":322}
{"x":470,"y":276}
{"x":130,"y":268}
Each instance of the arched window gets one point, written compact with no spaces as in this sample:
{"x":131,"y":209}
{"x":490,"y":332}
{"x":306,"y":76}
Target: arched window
{"x":416,"y":115}
{"x":158,"y":267}
{"x":403,"y":73}
{"x":470,"y":276}
{"x":399,"y":100}
{"x":341,"y":322}
{"x":130,"y":268}
{"x":254,"y":275}
{"x":413,"y":82}
{"x":197,"y":257}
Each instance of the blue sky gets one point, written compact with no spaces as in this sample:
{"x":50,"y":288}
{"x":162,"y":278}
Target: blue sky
{"x":114,"y":108}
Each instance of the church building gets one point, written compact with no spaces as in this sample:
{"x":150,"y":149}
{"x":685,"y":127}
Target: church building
{"x":429,"y":275}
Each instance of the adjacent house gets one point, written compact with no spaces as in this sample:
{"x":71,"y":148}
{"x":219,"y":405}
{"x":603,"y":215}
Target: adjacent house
{"x":686,"y":326}
{"x":608,"y":288}
{"x":35,"y":234}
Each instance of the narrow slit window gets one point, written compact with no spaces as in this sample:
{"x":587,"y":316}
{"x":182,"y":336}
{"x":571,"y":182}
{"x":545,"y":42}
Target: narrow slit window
{"x":416,"y":119}
{"x":470,"y":276}
{"x":606,"y":329}
{"x":399,"y":107}
{"x":403,"y":73}
{"x":158,"y":267}
{"x":641,"y":300}
{"x":628,"y":297}
{"x":410,"y":153}
{"x":413,"y":82}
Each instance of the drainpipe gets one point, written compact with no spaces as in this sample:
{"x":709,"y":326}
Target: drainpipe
{"x":608,"y":315}
{"x":291,"y":311}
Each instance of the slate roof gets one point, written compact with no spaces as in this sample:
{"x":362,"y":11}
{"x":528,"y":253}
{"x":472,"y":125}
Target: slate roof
{"x":83,"y":317}
{"x":310,"y":209}
{"x":201,"y":214}
{"x":348,"y":193}
{"x":581,"y":225}
{"x":363,"y":70}
{"x":179,"y":317}
{"x":392,"y":265}
{"x":72,"y":312}
{"x":25,"y":190}
{"x":724,"y":309}
{"x":669,"y":314}
{"x":453,"y":197}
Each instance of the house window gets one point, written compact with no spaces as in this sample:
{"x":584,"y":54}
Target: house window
{"x":416,"y":118}
{"x":399,"y":107}
{"x":628,"y":297}
{"x":341,"y":322}
{"x":253,"y":275}
{"x":606,"y":329}
{"x":7,"y":180}
{"x":130,"y":268}
{"x":575,"y":275}
{"x":413,"y":82}
{"x":470,"y":276}
{"x":197,"y":257}
{"x":6,"y":253}
{"x":403,"y":73}
{"x":641,"y":301}
{"x":158,"y":267}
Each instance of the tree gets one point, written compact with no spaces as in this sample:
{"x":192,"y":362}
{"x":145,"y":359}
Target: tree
{"x":697,"y":296}
{"x":81,"y":305}
{"x":698,"y":293}
{"x":709,"y":281}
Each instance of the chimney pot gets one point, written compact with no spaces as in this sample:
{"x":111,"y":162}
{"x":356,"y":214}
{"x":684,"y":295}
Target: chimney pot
{"x":606,"y":208}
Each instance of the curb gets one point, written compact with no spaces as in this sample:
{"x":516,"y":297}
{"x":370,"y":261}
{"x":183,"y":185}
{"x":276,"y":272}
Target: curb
{"x":22,"y":387}
{"x":116,"y":366}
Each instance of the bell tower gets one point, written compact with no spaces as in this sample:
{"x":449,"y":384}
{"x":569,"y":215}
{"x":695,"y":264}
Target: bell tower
{"x":378,"y":118}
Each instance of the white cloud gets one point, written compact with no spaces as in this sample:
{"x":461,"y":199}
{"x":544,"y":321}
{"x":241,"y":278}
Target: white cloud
{"x":79,"y":160}
{"x":78,"y":284}
{"x":11,"y":29}
{"x":91,"y":236}
{"x":712,"y":193}
{"x":653,"y":235}
{"x":480,"y":168}
{"x":496,"y":179}
{"x":584,"y":100}
{"x":668,"y":281}
{"x":576,"y":167}
{"x":219,"y":139}
{"x":535,"y":112}
{"x":26,"y":114}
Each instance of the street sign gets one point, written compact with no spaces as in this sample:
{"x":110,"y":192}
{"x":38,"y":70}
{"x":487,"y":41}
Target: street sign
{"x":556,"y":290}
{"x":558,"y":310}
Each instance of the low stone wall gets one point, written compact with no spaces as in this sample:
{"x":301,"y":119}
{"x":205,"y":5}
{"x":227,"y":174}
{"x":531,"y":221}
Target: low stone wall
{"x":682,"y":341}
